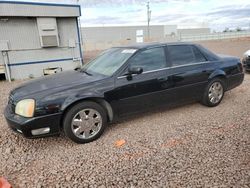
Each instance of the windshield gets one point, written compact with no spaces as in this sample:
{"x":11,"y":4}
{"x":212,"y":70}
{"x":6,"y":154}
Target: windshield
{"x":109,"y":61}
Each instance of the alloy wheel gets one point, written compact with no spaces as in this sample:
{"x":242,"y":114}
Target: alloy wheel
{"x":86,"y":123}
{"x":215,"y":92}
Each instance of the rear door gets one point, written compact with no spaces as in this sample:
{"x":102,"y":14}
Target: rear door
{"x":144,"y":90}
{"x":189,"y":73}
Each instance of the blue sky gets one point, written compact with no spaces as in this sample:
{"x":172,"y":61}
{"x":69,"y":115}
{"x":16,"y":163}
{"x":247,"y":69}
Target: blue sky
{"x":219,"y":14}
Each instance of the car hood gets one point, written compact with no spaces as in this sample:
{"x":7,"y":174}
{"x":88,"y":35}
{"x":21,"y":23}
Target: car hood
{"x":54,"y":83}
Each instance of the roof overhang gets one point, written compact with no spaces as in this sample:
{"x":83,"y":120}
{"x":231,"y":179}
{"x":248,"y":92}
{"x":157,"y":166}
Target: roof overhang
{"x":34,"y":9}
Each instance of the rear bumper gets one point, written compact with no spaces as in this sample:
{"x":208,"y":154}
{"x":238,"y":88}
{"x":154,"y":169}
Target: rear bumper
{"x":35,"y":127}
{"x":234,"y":80}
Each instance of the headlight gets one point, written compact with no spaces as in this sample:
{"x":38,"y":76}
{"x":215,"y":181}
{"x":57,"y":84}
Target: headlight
{"x":25,"y":108}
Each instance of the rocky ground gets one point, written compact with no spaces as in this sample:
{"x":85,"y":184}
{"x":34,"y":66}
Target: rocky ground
{"x":187,"y":146}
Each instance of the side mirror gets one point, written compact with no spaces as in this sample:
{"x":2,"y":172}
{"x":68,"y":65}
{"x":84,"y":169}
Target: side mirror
{"x":135,"y":70}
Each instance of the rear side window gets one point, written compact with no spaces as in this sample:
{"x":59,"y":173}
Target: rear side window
{"x":198,"y":55}
{"x":185,"y":54}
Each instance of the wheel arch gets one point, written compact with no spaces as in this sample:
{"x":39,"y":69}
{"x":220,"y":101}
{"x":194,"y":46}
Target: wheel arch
{"x":219,"y":74}
{"x":101,"y":101}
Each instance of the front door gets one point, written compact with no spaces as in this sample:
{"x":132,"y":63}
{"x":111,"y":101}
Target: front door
{"x":145,"y":90}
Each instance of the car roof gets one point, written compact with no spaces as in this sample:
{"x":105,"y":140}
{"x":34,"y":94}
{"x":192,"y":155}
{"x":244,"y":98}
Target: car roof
{"x":156,"y":44}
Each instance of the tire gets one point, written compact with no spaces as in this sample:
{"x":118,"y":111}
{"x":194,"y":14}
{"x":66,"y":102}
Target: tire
{"x":207,"y":99}
{"x":85,"y":122}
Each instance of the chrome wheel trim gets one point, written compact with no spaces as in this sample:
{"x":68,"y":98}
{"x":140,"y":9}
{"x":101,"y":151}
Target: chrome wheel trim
{"x":86,"y":123}
{"x":215,"y":92}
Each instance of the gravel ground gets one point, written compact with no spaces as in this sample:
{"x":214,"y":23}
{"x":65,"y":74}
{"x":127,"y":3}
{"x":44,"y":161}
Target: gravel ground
{"x":187,"y":146}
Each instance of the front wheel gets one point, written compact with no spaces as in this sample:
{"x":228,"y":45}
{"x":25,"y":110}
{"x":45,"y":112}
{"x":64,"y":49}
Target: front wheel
{"x":85,"y":122}
{"x":214,"y":93}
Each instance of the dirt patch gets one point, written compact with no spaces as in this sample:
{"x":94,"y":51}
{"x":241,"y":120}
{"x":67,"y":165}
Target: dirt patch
{"x":234,"y":47}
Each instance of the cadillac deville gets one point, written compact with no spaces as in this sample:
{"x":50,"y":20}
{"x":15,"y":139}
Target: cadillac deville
{"x":119,"y":82}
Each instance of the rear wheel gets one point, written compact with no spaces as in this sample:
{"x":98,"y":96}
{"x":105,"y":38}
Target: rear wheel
{"x":85,"y":122}
{"x":214,"y":93}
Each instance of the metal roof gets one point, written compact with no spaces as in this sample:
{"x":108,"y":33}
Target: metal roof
{"x":37,"y":9}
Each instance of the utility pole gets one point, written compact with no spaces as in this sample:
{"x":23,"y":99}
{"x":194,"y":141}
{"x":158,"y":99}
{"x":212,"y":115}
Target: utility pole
{"x":149,"y":18}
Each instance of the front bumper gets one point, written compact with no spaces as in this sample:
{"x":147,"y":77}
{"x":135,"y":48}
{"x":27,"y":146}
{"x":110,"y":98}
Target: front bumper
{"x":35,"y":127}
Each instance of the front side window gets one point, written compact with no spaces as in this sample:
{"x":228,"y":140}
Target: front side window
{"x":151,"y":59}
{"x":185,"y":54}
{"x":109,"y":61}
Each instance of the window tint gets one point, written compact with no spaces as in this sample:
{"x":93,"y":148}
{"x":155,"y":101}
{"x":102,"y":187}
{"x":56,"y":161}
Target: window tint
{"x":198,"y":55}
{"x":151,"y":59}
{"x":109,"y":61}
{"x":185,"y":54}
{"x":181,"y":55}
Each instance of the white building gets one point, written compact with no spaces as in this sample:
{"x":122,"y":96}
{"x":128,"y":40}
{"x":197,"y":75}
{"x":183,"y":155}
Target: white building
{"x":38,"y":38}
{"x":96,"y":38}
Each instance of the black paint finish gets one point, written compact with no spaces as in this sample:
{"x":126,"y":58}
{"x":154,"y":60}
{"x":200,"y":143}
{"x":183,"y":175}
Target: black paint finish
{"x":121,"y":94}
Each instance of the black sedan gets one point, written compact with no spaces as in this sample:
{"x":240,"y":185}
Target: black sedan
{"x":119,"y":82}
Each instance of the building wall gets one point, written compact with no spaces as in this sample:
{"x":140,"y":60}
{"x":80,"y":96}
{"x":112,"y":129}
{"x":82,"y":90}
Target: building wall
{"x":98,"y":38}
{"x":170,"y":30}
{"x":194,"y":31}
{"x":27,"y":57}
{"x":105,"y":37}
{"x":94,"y":34}
{"x":22,"y":33}
{"x":33,"y":71}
